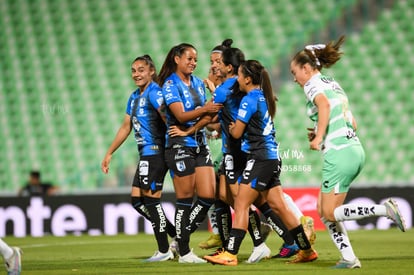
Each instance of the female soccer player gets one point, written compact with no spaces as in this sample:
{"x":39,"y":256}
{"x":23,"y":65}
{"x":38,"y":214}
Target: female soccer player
{"x":143,"y":113}
{"x":335,"y":135}
{"x":254,"y":125}
{"x":187,"y":157}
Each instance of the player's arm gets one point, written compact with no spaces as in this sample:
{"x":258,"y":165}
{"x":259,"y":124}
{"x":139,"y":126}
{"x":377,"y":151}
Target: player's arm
{"x":183,"y":116}
{"x":322,"y":103}
{"x":201,"y":123}
{"x":120,"y":137}
{"x":236,"y":129}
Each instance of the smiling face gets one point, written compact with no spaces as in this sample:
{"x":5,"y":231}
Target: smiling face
{"x":215,"y":61}
{"x":141,"y":73}
{"x":187,"y":62}
{"x":301,"y":73}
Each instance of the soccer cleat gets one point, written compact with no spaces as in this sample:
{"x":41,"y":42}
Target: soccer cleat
{"x":213,"y":241}
{"x":174,"y":247}
{"x":14,"y":263}
{"x":161,"y":257}
{"x":287,"y":251}
{"x":223,"y":258}
{"x":265,"y":230}
{"x":218,"y":251}
{"x":343,"y":264}
{"x":259,"y":252}
{"x":308,"y":227}
{"x":190,"y":258}
{"x":304,"y":256}
{"x":394,"y":214}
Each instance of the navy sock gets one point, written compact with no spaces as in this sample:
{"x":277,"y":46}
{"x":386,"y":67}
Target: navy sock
{"x":276,"y":223}
{"x":235,"y":240}
{"x":139,"y":205}
{"x":182,"y":216}
{"x":300,"y":237}
{"x":199,"y":212}
{"x":159,"y":222}
{"x":224,"y":221}
{"x":254,"y":228}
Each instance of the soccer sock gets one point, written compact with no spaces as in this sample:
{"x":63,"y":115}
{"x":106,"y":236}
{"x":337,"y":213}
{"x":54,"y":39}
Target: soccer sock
{"x":159,"y":222}
{"x":5,"y":250}
{"x":276,"y":223}
{"x":300,"y":237}
{"x":292,"y":206}
{"x":340,"y":238}
{"x":212,"y":217}
{"x":224,"y":221}
{"x":199,"y":212}
{"x":235,"y":240}
{"x":139,"y":205}
{"x":254,"y":228}
{"x":182,"y":216}
{"x":171,"y":229}
{"x":348,"y":212}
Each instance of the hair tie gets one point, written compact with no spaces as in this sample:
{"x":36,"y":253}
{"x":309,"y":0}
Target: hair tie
{"x":312,"y":49}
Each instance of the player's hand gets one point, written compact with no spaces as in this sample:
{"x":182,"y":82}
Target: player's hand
{"x":311,"y":133}
{"x":315,"y":143}
{"x":211,"y":107}
{"x":105,"y":163}
{"x":209,"y":85}
{"x":175,"y":131}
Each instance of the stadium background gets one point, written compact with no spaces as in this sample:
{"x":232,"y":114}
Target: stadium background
{"x":65,"y":80}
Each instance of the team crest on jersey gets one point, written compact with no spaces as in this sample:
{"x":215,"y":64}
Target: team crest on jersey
{"x":180,"y":166}
{"x":200,"y":90}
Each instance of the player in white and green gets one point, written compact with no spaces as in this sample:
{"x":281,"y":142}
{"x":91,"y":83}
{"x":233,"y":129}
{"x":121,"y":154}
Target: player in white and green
{"x":334,"y":134}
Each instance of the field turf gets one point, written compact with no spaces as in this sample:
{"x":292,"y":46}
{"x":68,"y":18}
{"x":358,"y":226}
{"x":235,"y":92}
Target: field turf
{"x":380,"y":252}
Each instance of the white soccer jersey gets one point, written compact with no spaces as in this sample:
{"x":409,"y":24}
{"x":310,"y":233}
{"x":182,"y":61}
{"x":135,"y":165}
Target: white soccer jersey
{"x":340,"y":132}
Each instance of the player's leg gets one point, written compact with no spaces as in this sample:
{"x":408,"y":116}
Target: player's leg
{"x":289,"y":248}
{"x":12,"y":258}
{"x":306,"y":221}
{"x":152,"y":174}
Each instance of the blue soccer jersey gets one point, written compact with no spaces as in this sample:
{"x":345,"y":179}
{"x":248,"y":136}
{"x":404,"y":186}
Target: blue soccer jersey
{"x":231,"y":102}
{"x":148,"y":125}
{"x":258,"y":139}
{"x":192,"y":97}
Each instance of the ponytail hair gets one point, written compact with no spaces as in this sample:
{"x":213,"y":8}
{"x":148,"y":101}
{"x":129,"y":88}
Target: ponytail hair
{"x":260,"y":76}
{"x":169,"y":66}
{"x":148,"y":60}
{"x":224,"y":45}
{"x":321,"y":55}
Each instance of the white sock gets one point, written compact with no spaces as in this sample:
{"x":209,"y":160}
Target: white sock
{"x":340,"y":238}
{"x":5,"y":250}
{"x":349,"y":212}
{"x":213,"y":219}
{"x":292,"y":206}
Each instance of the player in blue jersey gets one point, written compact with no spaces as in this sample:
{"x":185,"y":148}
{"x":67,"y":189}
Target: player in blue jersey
{"x":143,"y":114}
{"x":335,"y":135}
{"x":254,"y":125}
{"x":187,"y":157}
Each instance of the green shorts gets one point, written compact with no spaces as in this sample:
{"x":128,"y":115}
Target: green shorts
{"x":341,"y":167}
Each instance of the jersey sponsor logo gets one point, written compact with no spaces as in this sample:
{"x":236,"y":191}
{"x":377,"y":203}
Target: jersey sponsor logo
{"x":244,"y":105}
{"x":169,"y":96}
{"x":326,"y":79}
{"x":180,"y":166}
{"x":242,"y":113}
{"x":144,"y":167}
{"x":188,"y":104}
{"x":186,"y":93}
{"x":142,"y":102}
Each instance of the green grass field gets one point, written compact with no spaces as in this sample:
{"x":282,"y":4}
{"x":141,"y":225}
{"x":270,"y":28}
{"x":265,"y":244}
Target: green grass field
{"x":380,"y":252}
